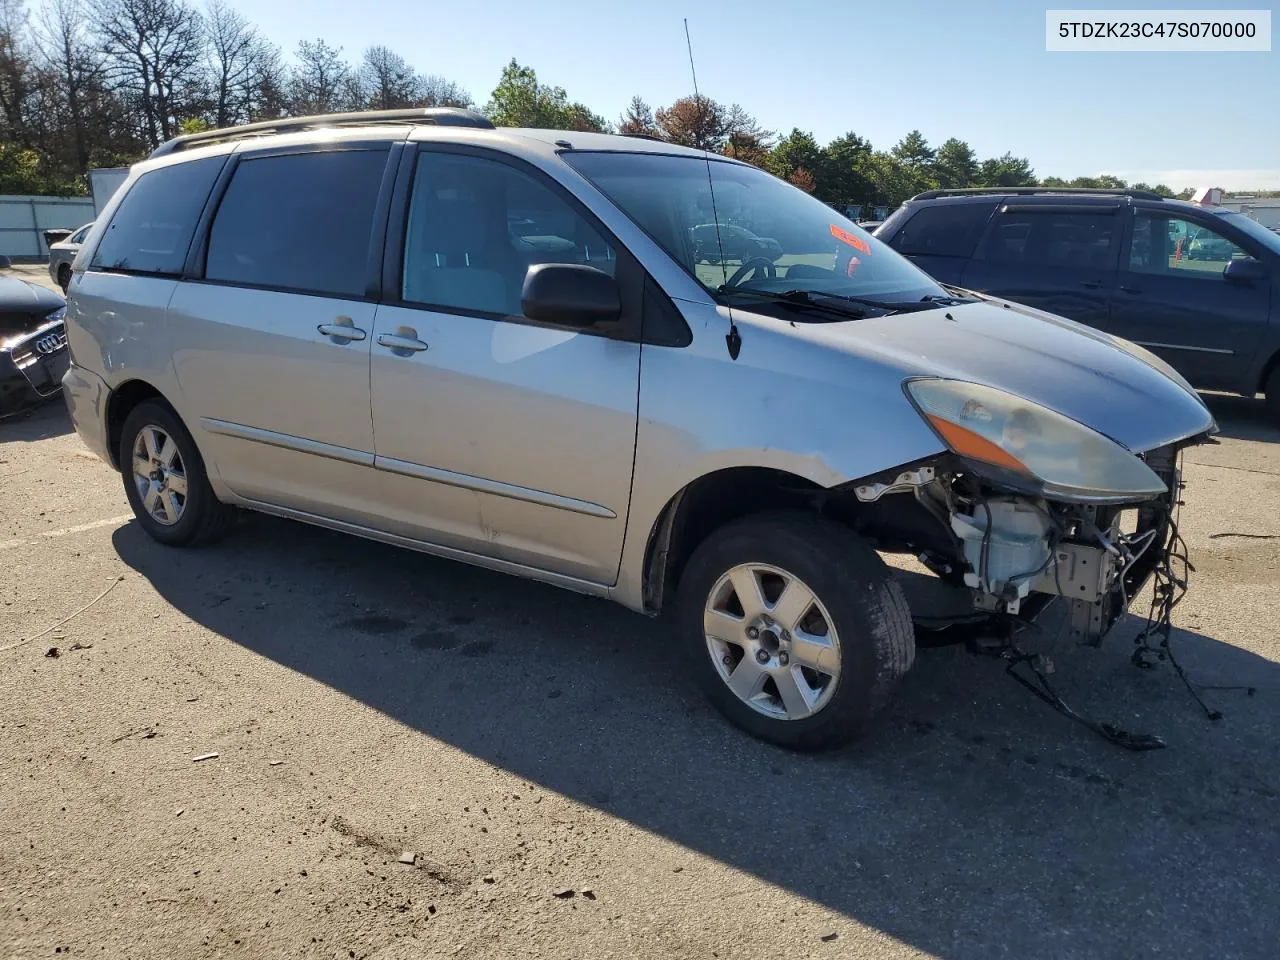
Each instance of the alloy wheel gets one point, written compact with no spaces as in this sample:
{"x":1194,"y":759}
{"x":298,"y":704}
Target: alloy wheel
{"x":159,"y":475}
{"x":772,"y":641}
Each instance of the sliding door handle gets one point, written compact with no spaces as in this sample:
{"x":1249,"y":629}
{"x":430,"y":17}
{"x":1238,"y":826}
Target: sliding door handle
{"x":401,"y":342}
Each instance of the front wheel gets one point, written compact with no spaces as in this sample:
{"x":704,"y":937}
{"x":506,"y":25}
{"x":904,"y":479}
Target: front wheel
{"x":794,"y":628}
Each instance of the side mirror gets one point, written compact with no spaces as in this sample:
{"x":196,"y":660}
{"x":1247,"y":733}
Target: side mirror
{"x":1244,"y":271}
{"x":5,"y":262}
{"x":570,"y":294}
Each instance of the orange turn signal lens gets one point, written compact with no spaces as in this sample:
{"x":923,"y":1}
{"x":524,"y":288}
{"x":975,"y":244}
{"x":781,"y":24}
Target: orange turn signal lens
{"x":975,"y":447}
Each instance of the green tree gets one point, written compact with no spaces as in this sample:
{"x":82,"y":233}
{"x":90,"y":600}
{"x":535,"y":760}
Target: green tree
{"x":1006,"y":171}
{"x":798,"y":150}
{"x":1159,"y":189}
{"x":915,"y":158}
{"x":20,"y":170}
{"x":578,"y":117}
{"x":891,"y":180}
{"x":913,"y":150}
{"x":955,"y":165}
{"x":519,"y":100}
{"x":847,"y":171}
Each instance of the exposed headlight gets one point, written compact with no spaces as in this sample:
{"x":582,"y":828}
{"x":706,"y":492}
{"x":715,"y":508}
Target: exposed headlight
{"x":1031,"y":444}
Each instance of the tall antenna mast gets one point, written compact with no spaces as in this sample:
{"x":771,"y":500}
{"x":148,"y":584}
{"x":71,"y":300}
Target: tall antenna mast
{"x":732,"y":340}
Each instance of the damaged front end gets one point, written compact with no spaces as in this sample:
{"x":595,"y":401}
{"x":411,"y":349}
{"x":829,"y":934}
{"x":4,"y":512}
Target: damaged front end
{"x":1027,"y":506}
{"x":1017,"y":552}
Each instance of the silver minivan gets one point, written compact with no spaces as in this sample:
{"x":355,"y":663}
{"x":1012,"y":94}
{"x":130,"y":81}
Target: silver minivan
{"x":500,"y":346}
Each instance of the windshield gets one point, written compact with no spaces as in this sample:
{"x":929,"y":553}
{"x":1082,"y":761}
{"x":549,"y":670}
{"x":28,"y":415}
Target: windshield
{"x":773,"y":237}
{"x":1254,"y":230}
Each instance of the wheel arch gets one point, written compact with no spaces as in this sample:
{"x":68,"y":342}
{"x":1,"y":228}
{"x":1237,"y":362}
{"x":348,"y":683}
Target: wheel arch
{"x":1268,"y":368}
{"x":894,"y":523}
{"x":124,"y":400}
{"x":709,"y":502}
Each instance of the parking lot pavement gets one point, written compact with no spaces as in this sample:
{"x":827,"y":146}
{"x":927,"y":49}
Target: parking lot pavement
{"x":519,"y":743}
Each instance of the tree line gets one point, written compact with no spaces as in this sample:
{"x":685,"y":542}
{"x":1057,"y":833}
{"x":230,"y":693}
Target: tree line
{"x":98,"y":83}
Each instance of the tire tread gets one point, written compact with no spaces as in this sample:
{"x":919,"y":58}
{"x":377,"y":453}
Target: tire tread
{"x":876,"y":598}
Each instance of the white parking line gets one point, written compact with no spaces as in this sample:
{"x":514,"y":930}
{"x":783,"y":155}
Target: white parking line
{"x":78,"y":528}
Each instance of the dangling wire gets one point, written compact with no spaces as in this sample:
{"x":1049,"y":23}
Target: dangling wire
{"x":1170,"y":579}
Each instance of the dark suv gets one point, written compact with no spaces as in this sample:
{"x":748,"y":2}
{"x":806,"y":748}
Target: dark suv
{"x":1198,"y":285}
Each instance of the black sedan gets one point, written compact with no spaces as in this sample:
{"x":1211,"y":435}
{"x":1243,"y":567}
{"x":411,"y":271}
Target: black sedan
{"x":731,"y":242}
{"x":33,"y":343}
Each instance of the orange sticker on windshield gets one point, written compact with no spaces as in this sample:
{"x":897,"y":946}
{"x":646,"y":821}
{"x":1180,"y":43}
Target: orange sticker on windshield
{"x":844,"y":236}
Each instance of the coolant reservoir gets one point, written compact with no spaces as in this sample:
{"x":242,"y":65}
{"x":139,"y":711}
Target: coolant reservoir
{"x":1016,"y":550}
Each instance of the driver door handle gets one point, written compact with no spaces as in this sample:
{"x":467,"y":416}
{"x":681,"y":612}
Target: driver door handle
{"x":342,"y":332}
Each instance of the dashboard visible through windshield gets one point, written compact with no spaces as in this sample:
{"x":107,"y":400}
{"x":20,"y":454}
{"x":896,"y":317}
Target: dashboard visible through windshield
{"x":760,"y":236}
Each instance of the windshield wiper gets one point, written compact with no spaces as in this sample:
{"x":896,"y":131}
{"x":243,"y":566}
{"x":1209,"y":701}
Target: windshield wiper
{"x":946,"y":301}
{"x":804,"y":298}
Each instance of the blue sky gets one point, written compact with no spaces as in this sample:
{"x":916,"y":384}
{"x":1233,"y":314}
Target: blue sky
{"x":977,"y":70}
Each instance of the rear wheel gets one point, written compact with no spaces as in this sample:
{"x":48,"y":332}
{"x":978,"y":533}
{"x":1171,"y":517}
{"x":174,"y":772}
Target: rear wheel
{"x":165,"y":479}
{"x":794,"y":628}
{"x":1273,"y":393}
{"x":64,"y":276}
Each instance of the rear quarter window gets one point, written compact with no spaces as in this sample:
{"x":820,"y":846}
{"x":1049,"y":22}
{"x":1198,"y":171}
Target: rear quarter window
{"x":943,"y":230}
{"x":152,"y":228}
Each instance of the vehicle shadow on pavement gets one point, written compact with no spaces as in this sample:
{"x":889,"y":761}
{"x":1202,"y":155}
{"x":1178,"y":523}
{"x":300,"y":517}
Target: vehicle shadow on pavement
{"x":972,"y":822}
{"x":1243,"y":418}
{"x":44,"y":422}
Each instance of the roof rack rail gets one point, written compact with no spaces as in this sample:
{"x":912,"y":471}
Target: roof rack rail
{"x":438,"y":116}
{"x":974,"y":191}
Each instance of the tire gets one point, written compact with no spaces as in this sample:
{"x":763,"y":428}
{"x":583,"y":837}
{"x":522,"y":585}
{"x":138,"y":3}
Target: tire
{"x":1272,"y":393}
{"x":64,"y":276}
{"x":853,"y":592}
{"x":200,"y":516}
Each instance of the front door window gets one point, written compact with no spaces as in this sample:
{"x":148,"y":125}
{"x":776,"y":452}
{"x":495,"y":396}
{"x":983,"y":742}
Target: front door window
{"x":1171,"y":246}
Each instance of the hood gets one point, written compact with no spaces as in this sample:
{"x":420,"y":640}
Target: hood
{"x":1080,"y":372}
{"x":20,"y":296}
{"x":23,"y":305}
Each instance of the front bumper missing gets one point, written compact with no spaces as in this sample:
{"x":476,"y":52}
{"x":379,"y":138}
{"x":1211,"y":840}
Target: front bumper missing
{"x":1098,"y":583}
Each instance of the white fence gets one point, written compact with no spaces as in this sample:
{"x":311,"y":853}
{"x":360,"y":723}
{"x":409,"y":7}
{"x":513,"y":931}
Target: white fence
{"x":23,"y":220}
